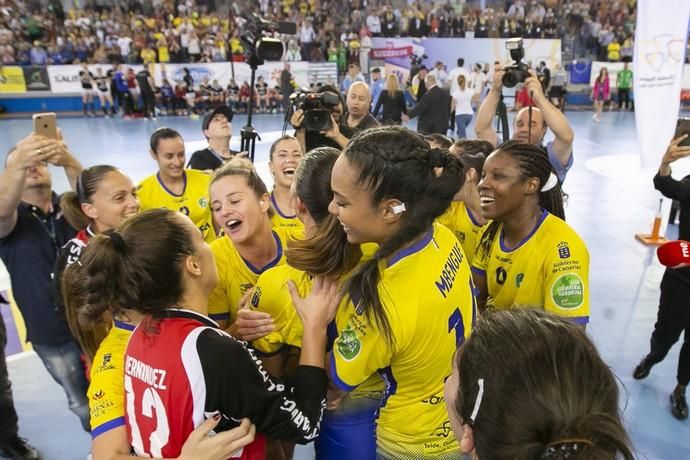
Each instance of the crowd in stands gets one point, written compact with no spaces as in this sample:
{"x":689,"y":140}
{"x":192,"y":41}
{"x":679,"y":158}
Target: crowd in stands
{"x":136,"y":31}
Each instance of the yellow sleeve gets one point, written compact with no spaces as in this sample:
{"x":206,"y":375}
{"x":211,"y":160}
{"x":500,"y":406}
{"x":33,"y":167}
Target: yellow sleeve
{"x":219,"y":300}
{"x":106,"y":391}
{"x":480,"y":261}
{"x":269,"y":297}
{"x":144,"y":195}
{"x":358,"y":351}
{"x":566,"y":280}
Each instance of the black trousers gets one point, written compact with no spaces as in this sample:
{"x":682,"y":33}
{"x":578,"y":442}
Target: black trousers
{"x":623,"y":98}
{"x":8,"y":416}
{"x":673,"y":319}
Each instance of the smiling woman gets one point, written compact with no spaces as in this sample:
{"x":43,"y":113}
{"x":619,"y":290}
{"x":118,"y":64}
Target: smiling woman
{"x":285,"y":155}
{"x":528,"y":256}
{"x":242,"y":209}
{"x":176,"y":188}
{"x":103,"y":199}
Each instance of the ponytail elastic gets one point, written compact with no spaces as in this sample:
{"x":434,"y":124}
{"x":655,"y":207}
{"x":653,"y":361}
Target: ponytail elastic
{"x":118,"y":241}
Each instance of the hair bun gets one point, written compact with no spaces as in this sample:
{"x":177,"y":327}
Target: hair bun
{"x":436,"y":157}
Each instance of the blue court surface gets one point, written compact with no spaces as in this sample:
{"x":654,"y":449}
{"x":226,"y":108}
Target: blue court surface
{"x":609,"y":199}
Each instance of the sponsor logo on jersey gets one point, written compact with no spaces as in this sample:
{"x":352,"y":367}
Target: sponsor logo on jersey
{"x":203,"y":202}
{"x":519,"y":279}
{"x":501,"y":275}
{"x":349,"y":344}
{"x":443,"y":431}
{"x":98,"y":395}
{"x":106,"y":364}
{"x":567,"y":291}
{"x":256,"y":296}
{"x":563,"y":250}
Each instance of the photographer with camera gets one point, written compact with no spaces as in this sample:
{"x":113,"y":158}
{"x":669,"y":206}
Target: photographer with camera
{"x":531,"y":123}
{"x":321,"y":119}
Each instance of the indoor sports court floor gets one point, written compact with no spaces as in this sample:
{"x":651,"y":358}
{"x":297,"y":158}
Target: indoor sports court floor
{"x":609,"y":200}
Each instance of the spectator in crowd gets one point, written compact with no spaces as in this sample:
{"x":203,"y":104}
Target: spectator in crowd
{"x":376,"y":85}
{"x":439,"y":72}
{"x":558,"y":84}
{"x":456,"y":72}
{"x":32,"y":231}
{"x":433,"y":109}
{"x":462,"y":107}
{"x":419,"y":84}
{"x":624,"y":81}
{"x":544,"y":76}
{"x":601,"y":92}
{"x":353,"y":74}
{"x":38,"y":54}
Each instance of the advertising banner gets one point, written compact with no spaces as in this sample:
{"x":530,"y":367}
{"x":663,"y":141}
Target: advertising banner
{"x":397,"y":51}
{"x":660,"y":39}
{"x":36,"y":78}
{"x":12,"y":80}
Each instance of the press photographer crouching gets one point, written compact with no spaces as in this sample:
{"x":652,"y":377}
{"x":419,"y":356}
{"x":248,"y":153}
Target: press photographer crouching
{"x":323,"y":119}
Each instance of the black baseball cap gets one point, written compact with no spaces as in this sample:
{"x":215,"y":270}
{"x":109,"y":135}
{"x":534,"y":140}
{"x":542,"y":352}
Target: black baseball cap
{"x":222,"y":109}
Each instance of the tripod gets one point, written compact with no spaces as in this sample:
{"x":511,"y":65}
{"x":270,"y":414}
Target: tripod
{"x":248,"y":135}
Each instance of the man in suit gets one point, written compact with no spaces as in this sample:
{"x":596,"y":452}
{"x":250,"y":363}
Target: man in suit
{"x":417,"y":27}
{"x":433,"y":109}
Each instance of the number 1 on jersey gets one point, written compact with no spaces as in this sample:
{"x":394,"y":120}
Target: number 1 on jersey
{"x":456,"y":324}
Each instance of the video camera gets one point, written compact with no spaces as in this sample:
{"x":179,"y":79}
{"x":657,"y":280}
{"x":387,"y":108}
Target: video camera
{"x":415,"y":65}
{"x":316,"y":107}
{"x":518,"y":72}
{"x":256,"y":35}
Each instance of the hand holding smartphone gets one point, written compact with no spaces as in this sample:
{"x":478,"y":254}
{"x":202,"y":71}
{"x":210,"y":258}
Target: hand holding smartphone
{"x":683,"y":127}
{"x":45,"y":124}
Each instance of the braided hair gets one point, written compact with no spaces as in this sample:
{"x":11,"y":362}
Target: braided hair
{"x":395,"y":163}
{"x":533,"y":161}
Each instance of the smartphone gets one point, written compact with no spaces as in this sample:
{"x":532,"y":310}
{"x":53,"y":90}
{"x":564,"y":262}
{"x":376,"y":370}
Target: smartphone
{"x":45,"y":124}
{"x":683,"y":127}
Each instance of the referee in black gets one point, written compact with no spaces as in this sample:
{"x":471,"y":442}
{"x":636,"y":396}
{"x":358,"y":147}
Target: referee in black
{"x":674,"y":303}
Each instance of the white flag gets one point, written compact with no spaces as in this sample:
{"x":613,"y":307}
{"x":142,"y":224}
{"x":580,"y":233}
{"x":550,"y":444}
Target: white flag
{"x":660,"y":39}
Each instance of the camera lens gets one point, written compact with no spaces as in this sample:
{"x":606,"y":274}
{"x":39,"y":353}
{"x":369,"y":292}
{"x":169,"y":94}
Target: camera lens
{"x":510,"y":79}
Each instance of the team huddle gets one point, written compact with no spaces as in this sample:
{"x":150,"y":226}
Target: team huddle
{"x":396,"y":300}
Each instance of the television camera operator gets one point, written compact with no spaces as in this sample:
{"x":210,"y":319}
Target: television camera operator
{"x":530,"y":125}
{"x":323,"y":118}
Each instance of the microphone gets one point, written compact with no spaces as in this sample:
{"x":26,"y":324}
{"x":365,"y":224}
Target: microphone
{"x":674,"y":254}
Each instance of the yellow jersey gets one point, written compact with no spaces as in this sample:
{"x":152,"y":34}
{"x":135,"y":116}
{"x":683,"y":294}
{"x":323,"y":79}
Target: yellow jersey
{"x":291,"y":223}
{"x":548,"y":269}
{"x":272,"y":296}
{"x":106,"y":391}
{"x":236,"y":276}
{"x":459,"y":219}
{"x":427,"y":293}
{"x":193,"y":202}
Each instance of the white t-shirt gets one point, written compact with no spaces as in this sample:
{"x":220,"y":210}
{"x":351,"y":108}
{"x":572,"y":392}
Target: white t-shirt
{"x":374,"y":24}
{"x":463,"y":102}
{"x":477,"y":80}
{"x":124,"y":44}
{"x":453,"y":78}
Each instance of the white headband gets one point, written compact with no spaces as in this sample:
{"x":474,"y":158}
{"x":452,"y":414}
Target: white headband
{"x":550,"y":183}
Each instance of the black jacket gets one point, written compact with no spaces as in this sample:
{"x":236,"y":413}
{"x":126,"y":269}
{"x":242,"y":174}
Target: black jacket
{"x":433,"y":110}
{"x":393,"y":106}
{"x":678,"y":190}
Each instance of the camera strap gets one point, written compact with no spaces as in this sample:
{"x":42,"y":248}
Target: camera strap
{"x":529,"y":120}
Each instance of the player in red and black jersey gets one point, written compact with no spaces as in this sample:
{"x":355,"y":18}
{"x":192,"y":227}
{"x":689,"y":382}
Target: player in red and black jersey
{"x":180,"y":368}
